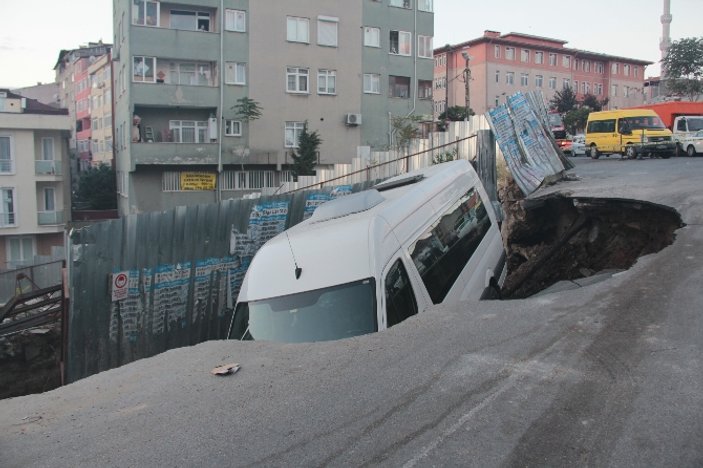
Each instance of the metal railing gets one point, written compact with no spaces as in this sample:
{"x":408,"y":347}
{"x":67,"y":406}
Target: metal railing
{"x":48,"y":218}
{"x":47,"y":167}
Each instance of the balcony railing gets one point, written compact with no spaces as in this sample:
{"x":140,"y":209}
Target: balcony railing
{"x":7,"y":166}
{"x":42,"y":167}
{"x":7,"y":219}
{"x":47,"y":218}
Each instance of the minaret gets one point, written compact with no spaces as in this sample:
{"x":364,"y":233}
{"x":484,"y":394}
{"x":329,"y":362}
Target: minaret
{"x":665,"y":41}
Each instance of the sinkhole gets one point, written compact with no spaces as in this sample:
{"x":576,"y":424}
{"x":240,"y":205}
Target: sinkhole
{"x":561,"y":238}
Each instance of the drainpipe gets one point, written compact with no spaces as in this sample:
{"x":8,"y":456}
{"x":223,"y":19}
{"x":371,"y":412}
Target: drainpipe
{"x":220,"y":114}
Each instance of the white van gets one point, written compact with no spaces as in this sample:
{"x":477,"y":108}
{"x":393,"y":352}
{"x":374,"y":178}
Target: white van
{"x":369,"y":260}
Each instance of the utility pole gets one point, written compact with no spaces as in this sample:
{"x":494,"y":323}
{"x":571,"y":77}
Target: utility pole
{"x":446,"y":79}
{"x":467,"y":80}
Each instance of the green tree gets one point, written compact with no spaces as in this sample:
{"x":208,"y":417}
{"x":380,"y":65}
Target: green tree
{"x":575,"y":119}
{"x":97,"y":188}
{"x":683,"y":66}
{"x":405,"y":129}
{"x":564,"y":100}
{"x":305,"y":157}
{"x":592,"y":102}
{"x":248,"y":109}
{"x":456,"y":114}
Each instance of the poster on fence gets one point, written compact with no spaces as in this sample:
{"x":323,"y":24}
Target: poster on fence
{"x":267,"y":220}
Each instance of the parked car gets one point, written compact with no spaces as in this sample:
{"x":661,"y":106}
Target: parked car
{"x":693,"y":144}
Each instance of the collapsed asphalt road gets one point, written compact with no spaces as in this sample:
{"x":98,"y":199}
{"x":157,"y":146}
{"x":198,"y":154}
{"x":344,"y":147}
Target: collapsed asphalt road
{"x":606,"y":375}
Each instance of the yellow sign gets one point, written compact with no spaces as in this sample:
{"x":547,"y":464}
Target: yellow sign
{"x":197,"y":181}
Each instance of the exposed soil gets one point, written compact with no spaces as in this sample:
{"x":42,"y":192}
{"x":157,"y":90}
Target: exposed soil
{"x":560,"y":238}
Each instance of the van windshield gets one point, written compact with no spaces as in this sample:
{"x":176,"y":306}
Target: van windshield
{"x":320,"y":315}
{"x":639,"y":123}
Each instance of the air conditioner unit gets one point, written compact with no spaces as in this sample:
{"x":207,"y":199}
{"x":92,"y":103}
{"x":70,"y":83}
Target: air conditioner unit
{"x":353,"y":119}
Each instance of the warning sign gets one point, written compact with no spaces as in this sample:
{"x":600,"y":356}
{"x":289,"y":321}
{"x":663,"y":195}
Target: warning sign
{"x":120,"y":283}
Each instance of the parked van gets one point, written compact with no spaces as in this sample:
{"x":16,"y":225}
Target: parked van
{"x":630,"y":132}
{"x":369,"y":260}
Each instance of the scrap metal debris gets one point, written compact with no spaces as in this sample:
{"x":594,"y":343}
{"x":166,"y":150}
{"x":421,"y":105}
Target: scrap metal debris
{"x":227,"y":369}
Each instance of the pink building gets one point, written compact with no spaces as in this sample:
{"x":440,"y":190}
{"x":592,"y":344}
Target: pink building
{"x":501,"y":65}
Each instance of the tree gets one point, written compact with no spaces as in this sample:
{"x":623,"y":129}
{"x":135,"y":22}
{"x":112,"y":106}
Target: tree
{"x":305,"y":157}
{"x":405,"y":129}
{"x":456,"y":114}
{"x":248,"y":109}
{"x":683,"y":66}
{"x":592,"y":102}
{"x":575,"y":119}
{"x":97,"y":188}
{"x":564,"y":100}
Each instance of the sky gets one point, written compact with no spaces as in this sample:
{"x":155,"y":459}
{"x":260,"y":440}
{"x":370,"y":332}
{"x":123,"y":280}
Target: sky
{"x":626,"y":28}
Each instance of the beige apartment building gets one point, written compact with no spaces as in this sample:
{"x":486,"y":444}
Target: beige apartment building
{"x":502,"y":64}
{"x":34,"y":181}
{"x":100,"y":79}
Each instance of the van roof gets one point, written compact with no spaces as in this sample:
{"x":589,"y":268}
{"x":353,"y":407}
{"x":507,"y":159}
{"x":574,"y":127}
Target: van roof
{"x":357,"y":242}
{"x":621,"y":113}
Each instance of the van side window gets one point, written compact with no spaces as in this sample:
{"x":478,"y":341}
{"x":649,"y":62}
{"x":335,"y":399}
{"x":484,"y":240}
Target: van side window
{"x":400,"y":298}
{"x":681,"y":125}
{"x":441,"y":252}
{"x":601,"y":126}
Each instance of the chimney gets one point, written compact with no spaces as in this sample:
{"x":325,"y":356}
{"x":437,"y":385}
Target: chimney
{"x":489,"y":33}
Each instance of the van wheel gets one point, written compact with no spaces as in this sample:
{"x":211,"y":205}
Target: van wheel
{"x":691,"y":151}
{"x":679,"y":150}
{"x":594,"y":152}
{"x":630,"y":152}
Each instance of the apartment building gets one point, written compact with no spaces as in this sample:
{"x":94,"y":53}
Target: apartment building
{"x":34,"y":188}
{"x":180,"y":67}
{"x":76,"y":94}
{"x":501,"y":65}
{"x":100,"y":81}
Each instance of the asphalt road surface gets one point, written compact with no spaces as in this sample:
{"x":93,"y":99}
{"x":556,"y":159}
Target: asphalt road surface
{"x":606,"y":375}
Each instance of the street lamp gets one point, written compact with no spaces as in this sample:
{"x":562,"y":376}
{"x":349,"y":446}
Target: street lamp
{"x":467,"y":80}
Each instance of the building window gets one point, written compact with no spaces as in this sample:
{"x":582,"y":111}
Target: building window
{"x":7,"y":206}
{"x":190,"y":20}
{"x":566,"y":83}
{"x":553,"y":60}
{"x":235,"y":20}
{"x":497,"y":101}
{"x":524,"y":55}
{"x":326,"y":82}
{"x":145,"y":13}
{"x":576,"y":86}
{"x":7,"y":162}
{"x":614,"y":90}
{"x":552,"y":82}
{"x":372,"y":37}
{"x":635,"y":72}
{"x":539,"y":79}
{"x":372,"y":83}
{"x":626,"y":70}
{"x":566,"y":61}
{"x":614,"y":68}
{"x":327,"y":31}
{"x":298,"y":29}
{"x":598,"y":89}
{"x":399,"y":86}
{"x":144,"y":69}
{"x":524,"y":79}
{"x":188,"y":131}
{"x":194,"y":74}
{"x":425,"y":5}
{"x":402,"y":3}
{"x":49,"y":199}
{"x":20,"y":251}
{"x":293,"y":132}
{"x":600,"y":69}
{"x":539,"y":57}
{"x":497,"y":76}
{"x":233,"y":128}
{"x":585,"y":88}
{"x":424,"y":89}
{"x":401,"y":43}
{"x":586,"y":64}
{"x":235,"y":73}
{"x":626,"y":91}
{"x":510,"y":53}
{"x":510,"y":78}
{"x":496,"y":51}
{"x":297,"y":80}
{"x":424,"y":46}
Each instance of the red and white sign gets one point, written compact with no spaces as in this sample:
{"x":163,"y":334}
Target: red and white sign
{"x":120,"y":282}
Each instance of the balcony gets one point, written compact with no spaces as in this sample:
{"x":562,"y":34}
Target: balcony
{"x":7,"y":166}
{"x":53,"y":168}
{"x":162,"y":94}
{"x":176,"y":44}
{"x":174,"y":153}
{"x":50,"y":218}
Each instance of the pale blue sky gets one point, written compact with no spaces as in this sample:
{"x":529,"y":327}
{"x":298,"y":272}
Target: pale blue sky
{"x":629,"y":28}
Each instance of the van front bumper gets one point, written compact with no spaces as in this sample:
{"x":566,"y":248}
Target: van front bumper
{"x":659,"y":147}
